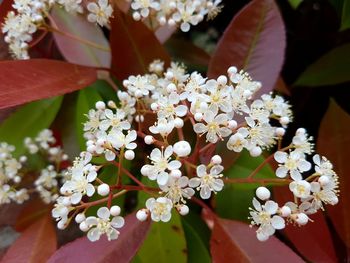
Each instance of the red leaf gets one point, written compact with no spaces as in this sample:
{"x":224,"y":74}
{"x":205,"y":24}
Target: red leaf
{"x":5,"y":7}
{"x":254,"y":41}
{"x":23,"y":81}
{"x":121,"y":250}
{"x":314,"y":240}
{"x":333,"y":142}
{"x":233,"y":241}
{"x":75,"y":51}
{"x":134,"y":46}
{"x":35,"y":245}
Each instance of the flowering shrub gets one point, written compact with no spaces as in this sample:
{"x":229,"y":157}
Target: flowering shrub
{"x":152,"y":143}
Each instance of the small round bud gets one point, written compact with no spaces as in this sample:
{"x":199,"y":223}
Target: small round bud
{"x":138,"y":94}
{"x":232,"y":124}
{"x":154,"y":106}
{"x":285,"y":211}
{"x":115,"y":210}
{"x":175,"y":173}
{"x":17,"y":179}
{"x":112,"y":104}
{"x":255,"y":151}
{"x":66,"y":201}
{"x":129,"y":155}
{"x":203,"y":106}
{"x":280,"y":131}
{"x":302,"y":219}
{"x":198,"y":116}
{"x":139,"y":118}
{"x":178,"y":123}
{"x":91,"y":148}
{"x":61,"y":225}
{"x":149,"y":139}
{"x":263,"y":193}
{"x":142,"y":214}
{"x":182,"y":148}
{"x":126,"y":82}
{"x":100,"y":105}
{"x":169,"y":75}
{"x":300,"y":131}
{"x":216,"y":159}
{"x":100,"y":142}
{"x":145,"y":170}
{"x":222,"y":80}
{"x":284,"y":120}
{"x":80,"y":218}
{"x":183,"y":210}
{"x":103,"y":189}
{"x":136,"y":16}
{"x":171,"y":87}
{"x":23,"y":159}
{"x":232,"y":70}
{"x":323,"y":180}
{"x":83,"y":226}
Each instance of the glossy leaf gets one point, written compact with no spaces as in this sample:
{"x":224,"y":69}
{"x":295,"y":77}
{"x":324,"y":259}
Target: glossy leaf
{"x":234,"y":241}
{"x":333,"y":143}
{"x":253,"y":41}
{"x":75,"y":51}
{"x":28,"y":120}
{"x":313,"y":244}
{"x":121,"y":250}
{"x":134,"y":46}
{"x":330,"y":69}
{"x":87,"y":99}
{"x":345,"y":20}
{"x":233,"y":201}
{"x":36,"y":244}
{"x":24,"y":81}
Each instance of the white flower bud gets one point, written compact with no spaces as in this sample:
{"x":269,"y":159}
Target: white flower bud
{"x":284,"y":120}
{"x":100,"y":105}
{"x":139,"y":118}
{"x":203,"y":106}
{"x":80,"y":218}
{"x":126,"y":83}
{"x":232,"y":124}
{"x":216,"y":159}
{"x":302,"y":219}
{"x":66,"y":201}
{"x":222,"y":80}
{"x":183,"y":210}
{"x":112,"y":104}
{"x":83,"y":226}
{"x":198,"y":116}
{"x":149,"y":139}
{"x":61,"y":225}
{"x":169,"y":75}
{"x":175,"y":173}
{"x":17,"y":179}
{"x":91,"y":148}
{"x":115,"y":210}
{"x":145,"y":170}
{"x":136,"y":16}
{"x":285,"y":211}
{"x":255,"y":151}
{"x":323,"y":180}
{"x":178,"y":123}
{"x":138,"y":94}
{"x":280,"y":131}
{"x":23,"y":159}
{"x":300,"y":131}
{"x":171,"y":87}
{"x":154,"y":106}
{"x":182,"y":148}
{"x":232,"y":70}
{"x":103,"y":189}
{"x":263,"y":193}
{"x":129,"y":155}
{"x":142,"y":214}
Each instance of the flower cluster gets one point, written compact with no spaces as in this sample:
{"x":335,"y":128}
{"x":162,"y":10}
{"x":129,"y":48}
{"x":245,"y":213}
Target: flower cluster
{"x":30,"y":15}
{"x":310,"y":193}
{"x":150,"y":116}
{"x":176,"y":12}
{"x":13,"y":171}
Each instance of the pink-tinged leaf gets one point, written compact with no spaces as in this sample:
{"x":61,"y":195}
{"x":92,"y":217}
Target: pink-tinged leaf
{"x":36,"y":244}
{"x":233,"y":241}
{"x":78,"y":52}
{"x":23,"y":81}
{"x":123,"y":5}
{"x":163,"y":33}
{"x":333,"y":142}
{"x":253,"y":41}
{"x":314,"y":240}
{"x":121,"y":250}
{"x":134,"y":46}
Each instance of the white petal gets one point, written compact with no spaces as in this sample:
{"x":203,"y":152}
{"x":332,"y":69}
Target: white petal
{"x":271,"y":207}
{"x":281,"y":172}
{"x":304,"y":165}
{"x":103,"y":213}
{"x":201,"y":170}
{"x":94,"y":234}
{"x":194,"y":182}
{"x":162,"y":178}
{"x":205,"y":192}
{"x":277,"y":222}
{"x":280,"y":157}
{"x":173,"y":165}
{"x":118,"y":222}
{"x":200,"y":128}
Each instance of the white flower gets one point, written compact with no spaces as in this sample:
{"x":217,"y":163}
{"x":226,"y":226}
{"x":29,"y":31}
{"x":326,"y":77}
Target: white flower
{"x":207,"y":182}
{"x":176,"y":189}
{"x":160,"y":208}
{"x":323,"y":166}
{"x":163,"y":127}
{"x":293,"y":163}
{"x":215,"y":126}
{"x":99,"y":13}
{"x":119,"y":139}
{"x":167,"y":109}
{"x":71,"y":6}
{"x":115,"y":121}
{"x":144,"y":6}
{"x":265,"y":217}
{"x":103,"y":225}
{"x":138,"y":86}
{"x":219,"y":97}
{"x":300,"y":188}
{"x":302,"y":142}
{"x":236,"y":142}
{"x":160,"y":164}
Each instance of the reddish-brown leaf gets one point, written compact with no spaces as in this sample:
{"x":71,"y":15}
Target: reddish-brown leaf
{"x":35,"y":245}
{"x":121,"y":250}
{"x":314,"y":240}
{"x":78,"y":52}
{"x":254,"y":41}
{"x":5,"y":7}
{"x":23,"y":81}
{"x":233,"y":241}
{"x":333,"y":142}
{"x":163,"y":33}
{"x":134,"y":46}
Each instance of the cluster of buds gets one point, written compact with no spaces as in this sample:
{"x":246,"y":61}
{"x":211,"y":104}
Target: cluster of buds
{"x":15,"y":184}
{"x":30,"y":15}
{"x":176,"y":12}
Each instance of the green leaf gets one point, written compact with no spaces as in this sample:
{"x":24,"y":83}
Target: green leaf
{"x":330,"y":69}
{"x":233,"y":201}
{"x":87,"y":99}
{"x":345,"y":19}
{"x":28,"y":121}
{"x":295,"y":3}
